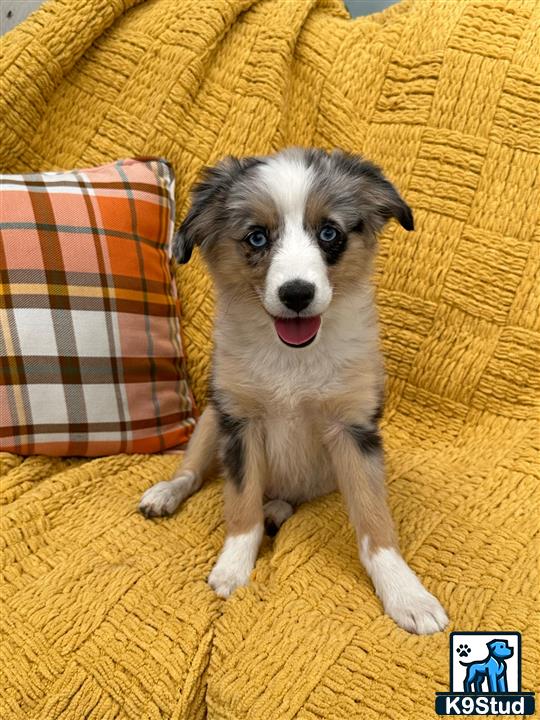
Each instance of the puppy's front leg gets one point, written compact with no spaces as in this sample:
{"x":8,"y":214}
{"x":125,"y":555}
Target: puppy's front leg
{"x":357,"y":459}
{"x":199,"y":460}
{"x":243,"y":459}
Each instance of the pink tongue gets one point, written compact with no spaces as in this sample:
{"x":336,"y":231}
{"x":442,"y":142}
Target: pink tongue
{"x":297,"y":331}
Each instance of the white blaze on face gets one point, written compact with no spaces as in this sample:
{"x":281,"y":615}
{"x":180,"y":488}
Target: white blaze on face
{"x":297,"y":255}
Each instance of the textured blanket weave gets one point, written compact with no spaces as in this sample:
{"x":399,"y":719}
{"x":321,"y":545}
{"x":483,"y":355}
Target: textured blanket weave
{"x":107,"y":615}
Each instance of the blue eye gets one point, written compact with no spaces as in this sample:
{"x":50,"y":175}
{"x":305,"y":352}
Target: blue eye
{"x":328,"y":233}
{"x":257,"y":239}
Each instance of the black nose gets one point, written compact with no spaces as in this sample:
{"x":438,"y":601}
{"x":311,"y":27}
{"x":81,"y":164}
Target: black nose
{"x":296,"y":294}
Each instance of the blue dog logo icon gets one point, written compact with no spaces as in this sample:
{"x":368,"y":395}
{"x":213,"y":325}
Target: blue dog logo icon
{"x":493,"y":669}
{"x":485,"y":675}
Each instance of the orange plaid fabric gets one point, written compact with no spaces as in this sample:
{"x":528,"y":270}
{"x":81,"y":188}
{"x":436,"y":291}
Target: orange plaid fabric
{"x":90,"y":350}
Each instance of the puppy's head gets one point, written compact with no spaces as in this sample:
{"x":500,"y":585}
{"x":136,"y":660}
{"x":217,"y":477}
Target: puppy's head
{"x":290,"y":231}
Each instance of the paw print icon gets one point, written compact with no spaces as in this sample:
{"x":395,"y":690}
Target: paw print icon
{"x":463,"y":650}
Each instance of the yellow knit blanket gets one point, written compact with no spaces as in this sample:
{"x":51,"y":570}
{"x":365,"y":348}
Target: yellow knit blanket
{"x":107,"y":615}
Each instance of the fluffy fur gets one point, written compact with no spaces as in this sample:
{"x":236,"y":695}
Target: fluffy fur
{"x":289,"y":237}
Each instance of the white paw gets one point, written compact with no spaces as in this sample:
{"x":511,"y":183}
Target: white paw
{"x":236,"y":561}
{"x":164,"y":497}
{"x":403,"y":596}
{"x":225,"y":578}
{"x":417,"y":611}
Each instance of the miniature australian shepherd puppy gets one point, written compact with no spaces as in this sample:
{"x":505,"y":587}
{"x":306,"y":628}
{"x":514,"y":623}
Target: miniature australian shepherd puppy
{"x":297,"y":377}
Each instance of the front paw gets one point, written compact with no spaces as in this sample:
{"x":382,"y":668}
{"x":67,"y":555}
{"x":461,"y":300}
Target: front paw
{"x":164,"y":497}
{"x":403,"y":596}
{"x":236,"y":561}
{"x":416,"y":610}
{"x":160,"y":500}
{"x":226,"y":576}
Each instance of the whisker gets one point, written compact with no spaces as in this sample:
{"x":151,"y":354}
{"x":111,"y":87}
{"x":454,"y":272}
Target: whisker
{"x":246,"y":293}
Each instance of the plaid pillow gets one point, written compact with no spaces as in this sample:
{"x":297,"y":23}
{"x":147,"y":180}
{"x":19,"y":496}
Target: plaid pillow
{"x":90,"y":349}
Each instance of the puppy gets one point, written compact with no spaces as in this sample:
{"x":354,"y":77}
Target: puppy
{"x":297,"y":378}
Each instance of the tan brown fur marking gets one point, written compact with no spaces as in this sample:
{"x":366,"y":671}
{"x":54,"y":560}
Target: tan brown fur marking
{"x":360,"y":479}
{"x":200,"y":457}
{"x":243,"y":506}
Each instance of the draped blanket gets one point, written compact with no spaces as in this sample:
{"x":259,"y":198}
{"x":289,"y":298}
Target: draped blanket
{"x":108,"y":615}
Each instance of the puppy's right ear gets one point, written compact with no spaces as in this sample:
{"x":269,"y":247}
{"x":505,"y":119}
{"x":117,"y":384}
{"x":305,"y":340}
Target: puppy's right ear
{"x":184,"y":240}
{"x":208,"y":198}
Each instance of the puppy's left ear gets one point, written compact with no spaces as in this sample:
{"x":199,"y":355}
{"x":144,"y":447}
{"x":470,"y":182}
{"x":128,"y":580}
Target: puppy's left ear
{"x":391,"y":204}
{"x":375,"y":196}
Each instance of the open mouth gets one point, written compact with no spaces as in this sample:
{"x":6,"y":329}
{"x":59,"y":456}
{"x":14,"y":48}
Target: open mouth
{"x":298,"y":332}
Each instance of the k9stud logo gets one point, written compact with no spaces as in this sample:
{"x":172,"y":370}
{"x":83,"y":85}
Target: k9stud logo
{"x":485,"y":676}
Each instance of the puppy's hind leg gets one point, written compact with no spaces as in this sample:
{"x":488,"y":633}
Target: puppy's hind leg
{"x":275,"y":514}
{"x":200,"y":457}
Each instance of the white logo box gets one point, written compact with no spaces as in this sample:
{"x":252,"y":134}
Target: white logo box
{"x":476,"y":643}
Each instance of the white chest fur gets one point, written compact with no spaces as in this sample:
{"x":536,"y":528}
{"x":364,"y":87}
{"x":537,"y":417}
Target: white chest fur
{"x":298,"y":467}
{"x":290,"y":392}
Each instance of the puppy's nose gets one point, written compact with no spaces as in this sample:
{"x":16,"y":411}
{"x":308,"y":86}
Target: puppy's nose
{"x":296,"y":294}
